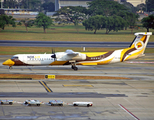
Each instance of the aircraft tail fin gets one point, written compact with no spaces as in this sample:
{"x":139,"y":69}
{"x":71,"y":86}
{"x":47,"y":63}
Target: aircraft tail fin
{"x":137,"y":47}
{"x":140,"y":41}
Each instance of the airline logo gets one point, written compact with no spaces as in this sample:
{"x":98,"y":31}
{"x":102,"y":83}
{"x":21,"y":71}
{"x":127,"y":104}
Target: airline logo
{"x":139,"y":45}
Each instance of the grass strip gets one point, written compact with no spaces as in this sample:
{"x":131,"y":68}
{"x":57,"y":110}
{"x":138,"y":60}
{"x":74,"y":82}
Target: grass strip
{"x":68,"y":33}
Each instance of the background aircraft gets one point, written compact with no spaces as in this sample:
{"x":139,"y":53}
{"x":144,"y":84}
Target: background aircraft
{"x":69,"y":57}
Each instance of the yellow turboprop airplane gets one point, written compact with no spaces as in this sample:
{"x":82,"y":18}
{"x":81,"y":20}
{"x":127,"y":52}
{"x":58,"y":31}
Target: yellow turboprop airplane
{"x":69,"y":57}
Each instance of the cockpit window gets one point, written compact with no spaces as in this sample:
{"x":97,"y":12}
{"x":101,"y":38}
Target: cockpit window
{"x":14,"y":57}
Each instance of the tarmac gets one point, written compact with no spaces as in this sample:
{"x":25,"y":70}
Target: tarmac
{"x":113,"y":99}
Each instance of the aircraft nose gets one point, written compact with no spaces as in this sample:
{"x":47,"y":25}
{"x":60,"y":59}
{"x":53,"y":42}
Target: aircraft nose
{"x":9,"y":62}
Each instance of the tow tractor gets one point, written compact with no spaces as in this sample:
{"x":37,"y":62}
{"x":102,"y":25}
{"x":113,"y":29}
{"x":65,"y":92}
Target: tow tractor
{"x":88,"y":104}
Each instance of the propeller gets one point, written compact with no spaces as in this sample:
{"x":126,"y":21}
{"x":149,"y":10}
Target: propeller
{"x":54,"y":55}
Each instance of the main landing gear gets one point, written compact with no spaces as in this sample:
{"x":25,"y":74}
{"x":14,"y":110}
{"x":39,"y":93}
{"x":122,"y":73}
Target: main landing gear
{"x":74,"y":67}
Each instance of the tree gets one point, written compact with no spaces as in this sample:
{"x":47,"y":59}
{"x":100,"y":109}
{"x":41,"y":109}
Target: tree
{"x":149,"y":5}
{"x":48,"y":6}
{"x":114,"y":23}
{"x":110,"y":23}
{"x":71,"y":13}
{"x":27,"y":23}
{"x":130,"y":7}
{"x":10,"y":4}
{"x":94,"y":23}
{"x":43,"y":21}
{"x":12,"y":22}
{"x":34,"y":4}
{"x":141,"y":7}
{"x":148,"y":22}
{"x":24,"y":4}
{"x":6,"y":20}
{"x":130,"y":19}
{"x":3,"y":21}
{"x":112,"y":9}
{"x":14,"y":26}
{"x":105,"y":7}
{"x":30,"y":4}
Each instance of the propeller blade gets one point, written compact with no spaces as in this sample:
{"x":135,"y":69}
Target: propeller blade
{"x":54,"y":55}
{"x":53,"y":51}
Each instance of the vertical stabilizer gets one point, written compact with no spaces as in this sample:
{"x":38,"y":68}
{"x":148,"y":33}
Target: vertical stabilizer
{"x":141,"y":40}
{"x":137,"y":47}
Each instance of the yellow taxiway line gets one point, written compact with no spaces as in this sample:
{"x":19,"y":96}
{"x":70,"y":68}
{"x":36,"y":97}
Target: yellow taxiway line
{"x":46,"y":87}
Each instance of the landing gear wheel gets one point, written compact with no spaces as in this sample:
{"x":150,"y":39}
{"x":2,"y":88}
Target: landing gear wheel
{"x":72,"y":67}
{"x":10,"y":103}
{"x":75,"y":105}
{"x":10,"y":67}
{"x":75,"y":68}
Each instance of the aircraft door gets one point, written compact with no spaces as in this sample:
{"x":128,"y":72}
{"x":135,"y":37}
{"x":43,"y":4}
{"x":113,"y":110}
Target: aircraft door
{"x":24,"y":58}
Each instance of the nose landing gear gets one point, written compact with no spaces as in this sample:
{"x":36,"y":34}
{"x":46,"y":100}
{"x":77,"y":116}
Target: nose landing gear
{"x":10,"y":67}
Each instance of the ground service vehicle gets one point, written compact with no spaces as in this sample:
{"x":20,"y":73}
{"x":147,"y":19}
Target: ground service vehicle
{"x":56,"y":102}
{"x":88,"y":104}
{"x":10,"y":102}
{"x":32,"y":102}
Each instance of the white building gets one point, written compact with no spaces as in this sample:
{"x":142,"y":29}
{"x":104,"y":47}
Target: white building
{"x":136,"y":2}
{"x":62,"y":3}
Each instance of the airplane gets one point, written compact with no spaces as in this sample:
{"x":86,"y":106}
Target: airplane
{"x":69,"y":57}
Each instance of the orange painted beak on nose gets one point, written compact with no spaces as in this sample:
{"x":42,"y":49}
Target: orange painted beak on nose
{"x":9,"y":62}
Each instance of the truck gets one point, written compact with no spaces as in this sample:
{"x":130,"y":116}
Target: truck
{"x":32,"y":102}
{"x":10,"y":102}
{"x":56,"y":102}
{"x":88,"y":104}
